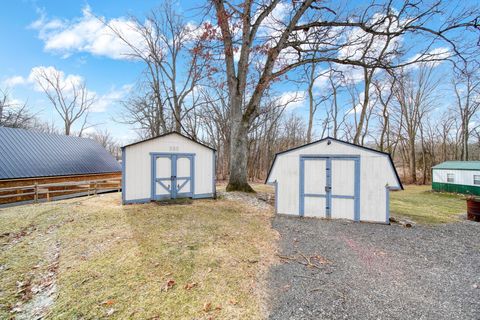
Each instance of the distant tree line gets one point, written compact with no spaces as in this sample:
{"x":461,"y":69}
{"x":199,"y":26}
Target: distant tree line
{"x":366,"y":73}
{"x":226,"y":93}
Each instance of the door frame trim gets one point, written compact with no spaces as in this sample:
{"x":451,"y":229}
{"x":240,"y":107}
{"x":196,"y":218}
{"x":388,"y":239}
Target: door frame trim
{"x":153,"y":173}
{"x":328,"y":158}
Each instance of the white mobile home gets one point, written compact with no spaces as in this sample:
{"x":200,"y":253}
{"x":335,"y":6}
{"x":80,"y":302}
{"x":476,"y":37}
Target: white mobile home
{"x":331,"y":178}
{"x":457,"y":176}
{"x":169,"y":166}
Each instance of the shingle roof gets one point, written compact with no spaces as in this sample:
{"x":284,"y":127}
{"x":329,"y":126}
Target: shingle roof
{"x":25,"y":154}
{"x":458,"y":165}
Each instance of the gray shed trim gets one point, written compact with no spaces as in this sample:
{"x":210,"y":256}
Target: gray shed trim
{"x":30,"y":154}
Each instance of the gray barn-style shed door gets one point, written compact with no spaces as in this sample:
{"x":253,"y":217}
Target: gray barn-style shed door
{"x":330,"y":186}
{"x":172,"y":176}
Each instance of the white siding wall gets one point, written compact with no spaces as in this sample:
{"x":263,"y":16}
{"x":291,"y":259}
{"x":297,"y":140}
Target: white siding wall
{"x":375,"y":173}
{"x":464,"y":177}
{"x":138,"y":166}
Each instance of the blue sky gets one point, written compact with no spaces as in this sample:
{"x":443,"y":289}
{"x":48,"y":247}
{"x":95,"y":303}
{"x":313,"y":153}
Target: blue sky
{"x":33,"y":36}
{"x":103,"y":75}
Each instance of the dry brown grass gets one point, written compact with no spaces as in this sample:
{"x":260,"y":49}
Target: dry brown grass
{"x":121,"y":260}
{"x":257,"y":186}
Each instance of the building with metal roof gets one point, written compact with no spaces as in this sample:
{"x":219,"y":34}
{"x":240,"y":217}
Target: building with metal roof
{"x":457,"y":176}
{"x":28,"y":154}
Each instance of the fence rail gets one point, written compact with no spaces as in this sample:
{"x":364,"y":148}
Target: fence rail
{"x":46,"y":191}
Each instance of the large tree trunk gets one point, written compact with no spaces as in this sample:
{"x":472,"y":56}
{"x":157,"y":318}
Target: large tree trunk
{"x":238,"y":154}
{"x":67,"y":128}
{"x":465,"y":145}
{"x":178,"y":121}
{"x":412,"y":162}
{"x":366,"y":98}
{"x":424,"y":158}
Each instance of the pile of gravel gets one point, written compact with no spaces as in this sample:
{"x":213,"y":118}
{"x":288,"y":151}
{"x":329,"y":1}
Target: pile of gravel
{"x":250,"y":199}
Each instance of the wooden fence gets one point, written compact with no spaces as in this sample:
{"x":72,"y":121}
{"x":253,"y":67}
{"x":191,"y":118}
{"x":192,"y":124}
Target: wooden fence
{"x":48,"y":191}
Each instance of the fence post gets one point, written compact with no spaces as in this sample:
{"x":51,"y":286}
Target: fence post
{"x":36,"y":192}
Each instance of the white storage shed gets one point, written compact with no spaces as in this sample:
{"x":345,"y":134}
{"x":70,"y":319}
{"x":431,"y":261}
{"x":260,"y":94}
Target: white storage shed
{"x":331,"y":178}
{"x":169,"y":166}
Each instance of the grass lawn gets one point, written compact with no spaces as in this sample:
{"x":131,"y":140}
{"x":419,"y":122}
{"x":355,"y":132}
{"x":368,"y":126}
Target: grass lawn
{"x":417,"y":203}
{"x":93,"y":258}
{"x":422,"y":205}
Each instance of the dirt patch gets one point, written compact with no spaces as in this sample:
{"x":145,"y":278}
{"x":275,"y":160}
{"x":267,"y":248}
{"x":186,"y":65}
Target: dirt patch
{"x":37,"y":294}
{"x":13,"y":238}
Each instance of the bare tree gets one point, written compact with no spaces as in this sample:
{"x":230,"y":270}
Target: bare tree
{"x":333,"y":119}
{"x":414,"y":95}
{"x":105,"y":139}
{"x":45,"y":127}
{"x":144,"y":113}
{"x":69,"y":97}
{"x":14,"y":115}
{"x":170,"y":50}
{"x":312,"y":75}
{"x":444,"y":130}
{"x":466,"y":86}
{"x":385,"y":93}
{"x":287,"y":48}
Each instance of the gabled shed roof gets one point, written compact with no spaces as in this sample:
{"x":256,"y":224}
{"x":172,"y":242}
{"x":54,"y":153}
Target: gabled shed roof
{"x":167,"y":134}
{"x":458,"y":165}
{"x":341,"y":141}
{"x":29,"y":154}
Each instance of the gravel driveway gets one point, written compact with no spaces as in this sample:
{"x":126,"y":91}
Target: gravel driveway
{"x":344,"y":270}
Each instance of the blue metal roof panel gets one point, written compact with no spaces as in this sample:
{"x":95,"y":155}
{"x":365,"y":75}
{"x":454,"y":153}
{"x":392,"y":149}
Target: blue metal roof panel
{"x":25,"y":154}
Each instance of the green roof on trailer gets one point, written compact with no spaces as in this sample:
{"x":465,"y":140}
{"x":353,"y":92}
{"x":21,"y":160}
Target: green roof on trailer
{"x":458,"y":165}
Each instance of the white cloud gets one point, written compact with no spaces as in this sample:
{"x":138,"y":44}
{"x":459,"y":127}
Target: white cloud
{"x":16,"y":103}
{"x":111,"y":98}
{"x":292,"y":99}
{"x":437,"y":56}
{"x":68,"y":82}
{"x":273,"y":24}
{"x":342,"y":74}
{"x":358,"y":107}
{"x":358,"y":41}
{"x":87,"y":34}
{"x":14,"y":81}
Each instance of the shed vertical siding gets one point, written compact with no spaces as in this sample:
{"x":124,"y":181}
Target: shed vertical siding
{"x":138,"y":165}
{"x":376,"y":173}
